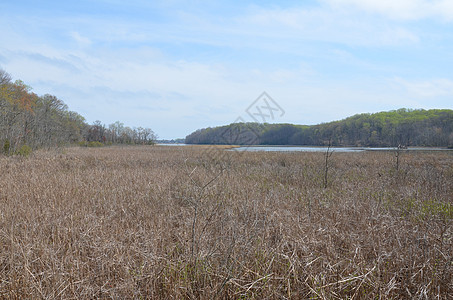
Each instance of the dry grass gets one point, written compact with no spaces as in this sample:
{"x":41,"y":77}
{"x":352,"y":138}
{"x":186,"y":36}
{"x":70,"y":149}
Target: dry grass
{"x":170,"y":222}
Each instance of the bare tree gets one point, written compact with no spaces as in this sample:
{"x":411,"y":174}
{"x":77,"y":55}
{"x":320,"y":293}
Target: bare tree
{"x":115,"y":131}
{"x":45,"y":121}
{"x":5,"y":78}
{"x":397,"y":155}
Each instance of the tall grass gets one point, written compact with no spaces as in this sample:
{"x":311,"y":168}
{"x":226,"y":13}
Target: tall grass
{"x":170,"y":222}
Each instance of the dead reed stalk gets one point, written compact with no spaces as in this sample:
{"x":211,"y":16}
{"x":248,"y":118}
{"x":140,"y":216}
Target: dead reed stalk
{"x":119,"y":222}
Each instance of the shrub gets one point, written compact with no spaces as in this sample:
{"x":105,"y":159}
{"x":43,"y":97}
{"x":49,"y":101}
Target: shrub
{"x":95,"y":144}
{"x":6,"y":147}
{"x":91,"y":144}
{"x":25,"y":151}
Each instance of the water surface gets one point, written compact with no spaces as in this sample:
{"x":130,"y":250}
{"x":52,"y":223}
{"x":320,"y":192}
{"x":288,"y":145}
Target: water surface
{"x":333,"y":149}
{"x":295,"y":149}
{"x":318,"y":149}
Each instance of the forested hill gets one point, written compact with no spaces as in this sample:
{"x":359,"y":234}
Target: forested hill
{"x":29,"y":121}
{"x":384,"y":129}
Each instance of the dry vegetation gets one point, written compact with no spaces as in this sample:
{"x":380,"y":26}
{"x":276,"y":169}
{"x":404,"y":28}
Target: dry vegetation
{"x":171,"y":222}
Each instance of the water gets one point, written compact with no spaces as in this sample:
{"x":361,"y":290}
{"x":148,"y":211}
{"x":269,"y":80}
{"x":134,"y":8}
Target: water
{"x":318,"y":149}
{"x":295,"y":149}
{"x":324,"y":149}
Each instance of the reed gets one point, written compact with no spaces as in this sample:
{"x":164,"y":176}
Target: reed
{"x":170,"y":222}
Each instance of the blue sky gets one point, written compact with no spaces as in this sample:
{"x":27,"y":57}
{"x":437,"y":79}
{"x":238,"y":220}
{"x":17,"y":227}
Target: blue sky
{"x":177,"y":66}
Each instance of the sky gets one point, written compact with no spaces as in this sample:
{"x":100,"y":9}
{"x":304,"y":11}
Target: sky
{"x":178,"y":66}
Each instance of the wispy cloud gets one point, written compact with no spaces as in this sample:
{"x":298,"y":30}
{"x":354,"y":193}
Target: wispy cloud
{"x":84,"y":41}
{"x":326,"y":25}
{"x":427,"y":88}
{"x":401,"y":9}
{"x":177,"y":67}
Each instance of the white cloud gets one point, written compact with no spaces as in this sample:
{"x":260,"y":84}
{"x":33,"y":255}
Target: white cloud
{"x":401,"y":9}
{"x":304,"y":25}
{"x":427,"y":88}
{"x":188,"y":71}
{"x":83,"y":41}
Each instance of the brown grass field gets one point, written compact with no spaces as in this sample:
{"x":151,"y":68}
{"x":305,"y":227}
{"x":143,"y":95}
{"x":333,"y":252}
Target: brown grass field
{"x":156,"y":222}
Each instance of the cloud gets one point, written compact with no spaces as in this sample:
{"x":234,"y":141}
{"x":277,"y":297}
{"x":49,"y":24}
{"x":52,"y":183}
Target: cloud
{"x":66,"y":64}
{"x":324,"y":24}
{"x":401,"y":9}
{"x":178,"y":68}
{"x":427,"y":88}
{"x":83,"y":41}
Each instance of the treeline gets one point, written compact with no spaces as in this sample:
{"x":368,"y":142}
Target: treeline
{"x":29,"y":121}
{"x":173,"y":141}
{"x":384,"y":129}
{"x":117,"y":133}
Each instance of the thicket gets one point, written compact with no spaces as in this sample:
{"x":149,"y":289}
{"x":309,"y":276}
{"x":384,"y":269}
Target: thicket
{"x":399,"y":127}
